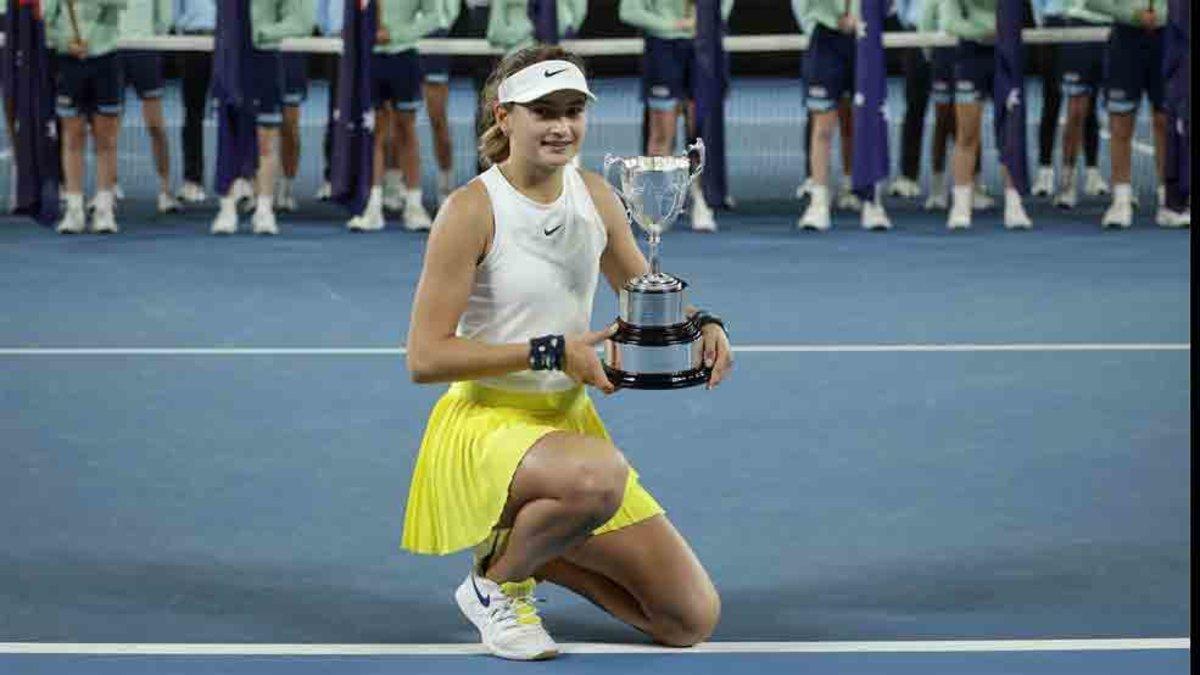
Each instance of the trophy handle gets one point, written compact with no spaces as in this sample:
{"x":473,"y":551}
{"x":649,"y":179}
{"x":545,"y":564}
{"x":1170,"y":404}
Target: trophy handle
{"x":609,"y":160}
{"x":698,"y":148}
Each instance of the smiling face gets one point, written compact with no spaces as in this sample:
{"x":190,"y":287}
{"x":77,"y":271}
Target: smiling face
{"x":548,"y":131}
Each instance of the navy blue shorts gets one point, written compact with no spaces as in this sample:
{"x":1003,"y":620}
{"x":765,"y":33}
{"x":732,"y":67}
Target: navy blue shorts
{"x":266,"y":87}
{"x":143,"y":70}
{"x":974,"y":68}
{"x":1135,"y":58}
{"x":828,"y":69}
{"x":436,"y":67}
{"x":397,"y":80}
{"x":89,"y":86}
{"x":295,"y":78}
{"x":942,"y":75}
{"x":1081,"y":64}
{"x":667,"y":72}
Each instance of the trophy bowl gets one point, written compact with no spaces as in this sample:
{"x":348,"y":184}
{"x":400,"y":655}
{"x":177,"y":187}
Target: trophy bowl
{"x":656,"y":345}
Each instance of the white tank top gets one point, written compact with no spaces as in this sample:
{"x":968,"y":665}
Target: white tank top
{"x":539,"y":276}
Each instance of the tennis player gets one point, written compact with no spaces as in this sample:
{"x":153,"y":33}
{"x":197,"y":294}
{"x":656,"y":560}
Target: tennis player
{"x":515,"y":461}
{"x":83,"y":37}
{"x":974,"y":23}
{"x":1081,"y":73}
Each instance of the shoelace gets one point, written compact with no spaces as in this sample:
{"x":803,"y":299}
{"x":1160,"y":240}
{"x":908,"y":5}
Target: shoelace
{"x":515,"y":610}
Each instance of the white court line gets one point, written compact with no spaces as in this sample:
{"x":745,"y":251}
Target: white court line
{"x":738,"y":349}
{"x":463,"y":649}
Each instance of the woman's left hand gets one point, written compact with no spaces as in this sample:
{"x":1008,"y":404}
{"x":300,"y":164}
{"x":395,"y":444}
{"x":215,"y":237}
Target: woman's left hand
{"x":718,"y":355}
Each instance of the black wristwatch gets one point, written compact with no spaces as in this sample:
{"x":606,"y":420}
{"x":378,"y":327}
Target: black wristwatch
{"x":703,"y":318}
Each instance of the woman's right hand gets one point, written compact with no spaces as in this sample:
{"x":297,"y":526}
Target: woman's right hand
{"x":581,"y":363}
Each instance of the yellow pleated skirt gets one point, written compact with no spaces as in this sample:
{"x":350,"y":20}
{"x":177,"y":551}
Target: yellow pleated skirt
{"x":474,"y":441}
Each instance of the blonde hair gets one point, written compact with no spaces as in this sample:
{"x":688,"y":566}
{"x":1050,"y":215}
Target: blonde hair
{"x":493,"y":144}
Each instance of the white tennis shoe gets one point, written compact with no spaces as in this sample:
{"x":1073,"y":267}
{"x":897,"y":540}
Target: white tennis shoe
{"x":508,"y":623}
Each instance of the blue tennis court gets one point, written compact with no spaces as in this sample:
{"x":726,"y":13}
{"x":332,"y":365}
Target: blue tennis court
{"x":938,"y":452}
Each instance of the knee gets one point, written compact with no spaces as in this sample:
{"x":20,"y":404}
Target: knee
{"x":598,"y":486}
{"x":690,"y":625}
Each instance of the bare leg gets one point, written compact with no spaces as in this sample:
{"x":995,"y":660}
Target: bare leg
{"x":821,"y":146}
{"x":152,"y":113}
{"x":74,"y":130}
{"x":1121,"y":146}
{"x":289,"y":141}
{"x":104,"y":131}
{"x":1078,"y":109}
{"x":566,"y":486}
{"x":845,"y":116}
{"x":966,"y":144}
{"x":1160,"y":145}
{"x":408,"y":145}
{"x":436,"y":97}
{"x":662,"y":132}
{"x":268,"y":138}
{"x":943,"y":130}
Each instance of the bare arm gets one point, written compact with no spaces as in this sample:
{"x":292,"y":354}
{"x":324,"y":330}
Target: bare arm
{"x":457,"y":243}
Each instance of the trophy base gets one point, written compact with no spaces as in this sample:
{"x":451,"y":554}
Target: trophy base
{"x":658,"y":381}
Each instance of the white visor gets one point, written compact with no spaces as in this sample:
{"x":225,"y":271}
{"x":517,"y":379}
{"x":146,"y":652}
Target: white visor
{"x":543,"y":77}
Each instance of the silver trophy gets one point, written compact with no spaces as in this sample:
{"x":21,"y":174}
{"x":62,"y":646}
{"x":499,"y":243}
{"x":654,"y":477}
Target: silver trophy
{"x":656,"y":346}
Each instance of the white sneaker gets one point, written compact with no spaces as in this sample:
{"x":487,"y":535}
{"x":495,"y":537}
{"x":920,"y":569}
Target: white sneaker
{"x":370,"y":221}
{"x":393,"y":192}
{"x":1119,"y":214}
{"x":1067,"y":198}
{"x":264,"y":222}
{"x":226,"y":222}
{"x":847,"y":200}
{"x":981,"y":200}
{"x":702,"y":217}
{"x":243,"y":194}
{"x":803,"y":189}
{"x":905,"y":187}
{"x":875,"y":218}
{"x":191,"y":193}
{"x":416,"y":218}
{"x":167,"y":203}
{"x":73,"y":222}
{"x":104,"y":222}
{"x":1015,"y":217}
{"x":325,"y":192}
{"x":508,"y":623}
{"x":1174,"y":219}
{"x":1043,"y":184}
{"x":815,"y":218}
{"x":959,"y":219}
{"x":1093,"y":183}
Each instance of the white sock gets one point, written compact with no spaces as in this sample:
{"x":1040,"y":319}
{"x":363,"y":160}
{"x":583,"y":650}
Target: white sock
{"x":1162,"y":196}
{"x":74,"y":201}
{"x":819,"y":195}
{"x":264,"y":205}
{"x":229,"y":203}
{"x":961,"y":197}
{"x":1123,"y":192}
{"x":1012,"y":198}
{"x":413,"y":196}
{"x":375,"y":199}
{"x":846,"y":185}
{"x":445,"y":178}
{"x":104,"y":201}
{"x":393,"y":178}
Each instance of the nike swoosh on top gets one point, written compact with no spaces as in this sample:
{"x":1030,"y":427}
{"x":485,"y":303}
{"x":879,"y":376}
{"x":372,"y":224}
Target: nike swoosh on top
{"x":483,"y":599}
{"x":552,"y":73}
{"x":552,"y":231}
